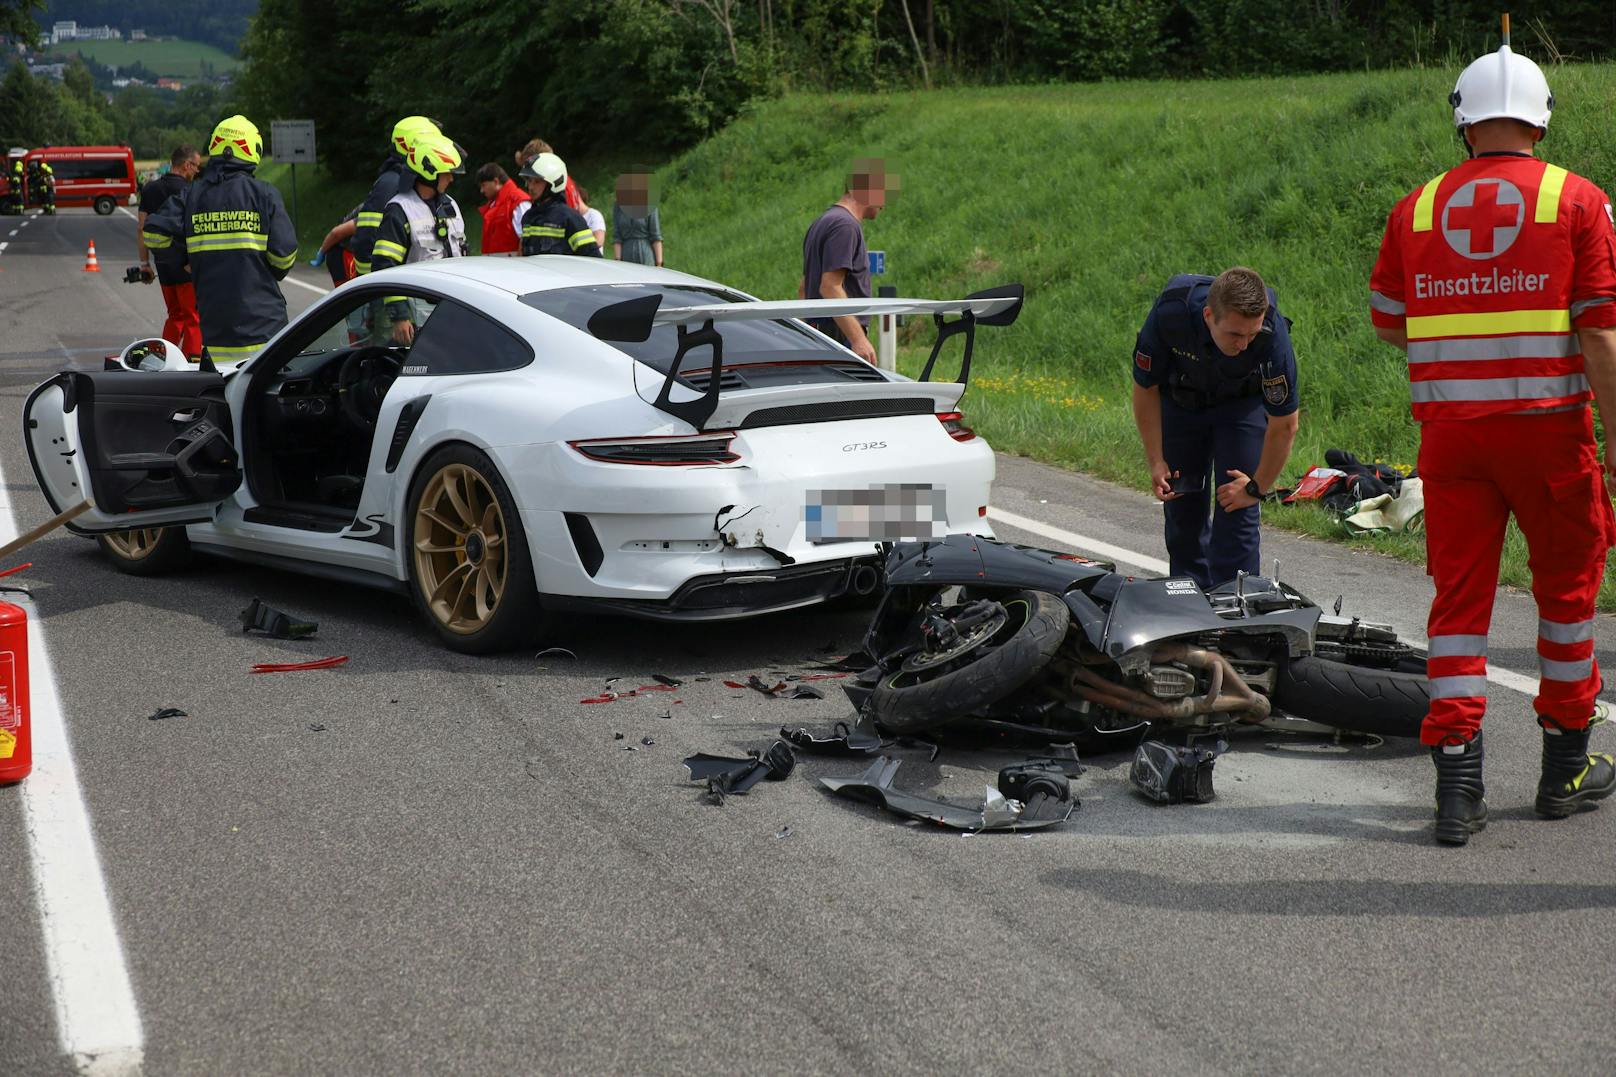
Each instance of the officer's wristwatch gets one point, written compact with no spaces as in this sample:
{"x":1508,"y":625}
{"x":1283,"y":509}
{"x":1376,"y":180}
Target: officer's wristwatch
{"x":1252,"y":490}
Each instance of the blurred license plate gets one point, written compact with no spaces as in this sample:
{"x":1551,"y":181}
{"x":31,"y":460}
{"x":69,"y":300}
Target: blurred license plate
{"x":892,"y":512}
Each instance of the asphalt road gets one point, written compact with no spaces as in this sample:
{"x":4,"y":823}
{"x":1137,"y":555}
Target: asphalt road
{"x":427,"y":863}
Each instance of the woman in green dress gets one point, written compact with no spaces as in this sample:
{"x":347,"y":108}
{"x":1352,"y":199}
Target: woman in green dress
{"x":636,"y":228}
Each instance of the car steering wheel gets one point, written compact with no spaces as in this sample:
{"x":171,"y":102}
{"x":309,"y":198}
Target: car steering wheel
{"x":362,"y":382}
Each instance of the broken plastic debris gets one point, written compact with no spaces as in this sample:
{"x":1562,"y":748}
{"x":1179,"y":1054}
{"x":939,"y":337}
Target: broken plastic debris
{"x":548,"y":651}
{"x":647,"y":741}
{"x":844,"y":740}
{"x":293,"y":667}
{"x":617,"y":736}
{"x":804,"y":691}
{"x":166,"y":712}
{"x":783,"y":832}
{"x":1049,"y":798}
{"x":13,"y":571}
{"x":1170,"y":774}
{"x":271,"y":621}
{"x":856,"y":662}
{"x":317,"y":727}
{"x":727,"y":775}
{"x":663,"y":678}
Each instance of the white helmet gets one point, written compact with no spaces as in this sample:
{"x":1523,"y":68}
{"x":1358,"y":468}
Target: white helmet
{"x":1502,"y":85}
{"x":549,"y":168}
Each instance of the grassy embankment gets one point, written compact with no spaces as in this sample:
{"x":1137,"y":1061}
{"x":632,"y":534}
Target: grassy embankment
{"x":176,"y":59}
{"x":1093,"y":196}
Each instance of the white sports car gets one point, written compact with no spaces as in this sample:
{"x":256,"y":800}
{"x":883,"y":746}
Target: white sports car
{"x":561,"y":433}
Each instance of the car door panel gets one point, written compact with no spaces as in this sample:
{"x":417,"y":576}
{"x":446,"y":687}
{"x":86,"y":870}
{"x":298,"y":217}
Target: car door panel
{"x":145,"y":448}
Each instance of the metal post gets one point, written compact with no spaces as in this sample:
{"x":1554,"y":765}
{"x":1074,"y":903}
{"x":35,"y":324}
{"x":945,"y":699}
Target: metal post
{"x":886,"y":350}
{"x":294,"y":194}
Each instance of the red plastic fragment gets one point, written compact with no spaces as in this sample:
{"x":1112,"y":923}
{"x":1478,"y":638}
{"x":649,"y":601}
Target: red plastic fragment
{"x":294,"y":667}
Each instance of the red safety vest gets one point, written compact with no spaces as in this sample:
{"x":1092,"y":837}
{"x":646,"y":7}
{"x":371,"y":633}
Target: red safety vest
{"x":1488,"y":268}
{"x":499,"y":235}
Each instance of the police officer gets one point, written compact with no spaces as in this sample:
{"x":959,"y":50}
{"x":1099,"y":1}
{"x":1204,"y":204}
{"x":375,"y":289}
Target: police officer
{"x":550,"y":226}
{"x":421,"y":224}
{"x":395,"y":176}
{"x":1215,"y":391}
{"x":1498,"y":278}
{"x":231,"y":229}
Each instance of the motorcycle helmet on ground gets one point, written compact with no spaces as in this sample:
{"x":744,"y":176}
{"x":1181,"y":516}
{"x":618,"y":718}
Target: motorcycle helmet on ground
{"x":238,"y":137}
{"x":549,"y":168}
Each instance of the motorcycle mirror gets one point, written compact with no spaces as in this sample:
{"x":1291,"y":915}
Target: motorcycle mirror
{"x":1338,"y":601}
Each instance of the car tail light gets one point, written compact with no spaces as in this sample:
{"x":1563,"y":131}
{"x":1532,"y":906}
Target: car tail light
{"x":954,"y":423}
{"x":682,"y":450}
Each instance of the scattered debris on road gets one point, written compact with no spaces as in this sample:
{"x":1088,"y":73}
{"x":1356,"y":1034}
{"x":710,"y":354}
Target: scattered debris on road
{"x":728,"y":776}
{"x":295,"y":667}
{"x":558,"y":651}
{"x":166,"y":712}
{"x":1030,"y":796}
{"x":1174,"y":774}
{"x":272,"y":622}
{"x":857,"y":739}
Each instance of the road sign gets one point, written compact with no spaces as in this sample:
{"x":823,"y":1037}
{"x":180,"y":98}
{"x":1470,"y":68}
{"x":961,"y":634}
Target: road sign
{"x":292,"y":141}
{"x":878,"y":259}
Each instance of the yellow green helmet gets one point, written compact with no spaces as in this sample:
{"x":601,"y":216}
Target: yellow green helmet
{"x":407,"y":130}
{"x":239,"y":137}
{"x":433,"y":155}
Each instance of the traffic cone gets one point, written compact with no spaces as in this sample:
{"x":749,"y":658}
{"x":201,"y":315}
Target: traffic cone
{"x":90,"y":264}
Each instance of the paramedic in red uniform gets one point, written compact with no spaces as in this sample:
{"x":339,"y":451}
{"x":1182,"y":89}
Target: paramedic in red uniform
{"x":1498,"y":278}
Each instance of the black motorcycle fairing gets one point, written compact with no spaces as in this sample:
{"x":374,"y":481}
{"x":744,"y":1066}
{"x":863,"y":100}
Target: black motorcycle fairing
{"x":1148,"y":612}
{"x":1088,"y":617}
{"x":973,"y":561}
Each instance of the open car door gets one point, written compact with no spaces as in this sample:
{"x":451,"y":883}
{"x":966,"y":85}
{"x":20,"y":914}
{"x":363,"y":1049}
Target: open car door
{"x":146,"y":448}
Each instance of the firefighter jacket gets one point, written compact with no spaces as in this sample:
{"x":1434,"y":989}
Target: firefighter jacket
{"x":1175,"y":350}
{"x":550,"y":226}
{"x":1490,"y":268}
{"x":415,"y":229}
{"x":394,"y":177}
{"x":231,"y":229}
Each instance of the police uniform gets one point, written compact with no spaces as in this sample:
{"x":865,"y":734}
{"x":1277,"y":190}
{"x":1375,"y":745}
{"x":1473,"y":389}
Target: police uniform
{"x":1213,"y":421}
{"x":550,"y":226}
{"x":232,"y":230}
{"x":1490,"y":269}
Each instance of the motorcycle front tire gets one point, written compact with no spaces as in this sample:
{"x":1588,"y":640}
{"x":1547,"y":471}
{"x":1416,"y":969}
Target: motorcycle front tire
{"x":1385,"y":702}
{"x":904,"y":708}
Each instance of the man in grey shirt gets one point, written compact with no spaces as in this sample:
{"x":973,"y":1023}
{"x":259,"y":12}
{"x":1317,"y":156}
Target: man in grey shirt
{"x":835,"y":261}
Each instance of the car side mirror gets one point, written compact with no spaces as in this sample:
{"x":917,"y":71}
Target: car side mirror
{"x":152,"y":355}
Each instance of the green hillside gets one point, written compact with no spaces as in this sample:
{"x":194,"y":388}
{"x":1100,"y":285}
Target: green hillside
{"x":1093,"y":195}
{"x":177,"y":59}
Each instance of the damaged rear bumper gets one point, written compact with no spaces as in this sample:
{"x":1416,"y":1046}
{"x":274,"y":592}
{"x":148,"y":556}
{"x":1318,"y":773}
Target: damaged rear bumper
{"x":730,"y":595}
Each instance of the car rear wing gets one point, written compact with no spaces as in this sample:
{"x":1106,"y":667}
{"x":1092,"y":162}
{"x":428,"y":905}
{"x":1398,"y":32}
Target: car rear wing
{"x":632,"y":320}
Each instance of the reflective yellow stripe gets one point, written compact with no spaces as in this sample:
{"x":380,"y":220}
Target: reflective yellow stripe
{"x":551,"y":230}
{"x":156,"y":241}
{"x":219,"y":351}
{"x":395,"y":299}
{"x":280,"y":262}
{"x":361,"y":267}
{"x":1494,"y":323}
{"x":1548,"y":195}
{"x":1425,"y":205}
{"x":229,"y":241}
{"x":216,"y":248}
{"x":386,"y":248}
{"x":578,"y":239}
{"x":368,"y":220}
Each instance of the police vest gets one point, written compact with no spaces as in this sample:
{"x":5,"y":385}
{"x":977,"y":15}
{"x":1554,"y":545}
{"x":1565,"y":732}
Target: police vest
{"x":1488,"y":254}
{"x":1196,"y":385}
{"x":426,"y":244}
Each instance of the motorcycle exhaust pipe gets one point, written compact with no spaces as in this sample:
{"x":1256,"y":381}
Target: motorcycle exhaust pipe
{"x":1227,"y":692}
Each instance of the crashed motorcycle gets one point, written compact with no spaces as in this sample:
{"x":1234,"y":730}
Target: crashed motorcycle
{"x":973,"y":632}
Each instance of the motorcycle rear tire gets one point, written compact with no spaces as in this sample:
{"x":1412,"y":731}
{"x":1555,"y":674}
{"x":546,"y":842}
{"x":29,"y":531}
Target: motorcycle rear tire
{"x":1385,"y":702}
{"x":998,"y":671}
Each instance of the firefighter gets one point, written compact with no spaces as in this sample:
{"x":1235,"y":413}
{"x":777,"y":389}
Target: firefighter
{"x":1498,"y":278}
{"x":395,"y":176}
{"x":1215,"y":392}
{"x":550,"y":226}
{"x":231,"y":229}
{"x":42,"y":185}
{"x":420,"y":224}
{"x":15,"y":181}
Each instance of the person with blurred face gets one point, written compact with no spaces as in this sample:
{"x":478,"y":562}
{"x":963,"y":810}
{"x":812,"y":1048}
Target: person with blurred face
{"x":835,"y":259}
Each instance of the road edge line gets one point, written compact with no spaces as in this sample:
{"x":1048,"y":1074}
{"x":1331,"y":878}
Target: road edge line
{"x":97,"y":1020}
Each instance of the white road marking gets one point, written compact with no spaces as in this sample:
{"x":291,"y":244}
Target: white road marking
{"x":97,"y":1021}
{"x":303,"y":284}
{"x":12,"y":232}
{"x":1505,"y":678}
{"x":3,"y":246}
{"x":125,"y":211}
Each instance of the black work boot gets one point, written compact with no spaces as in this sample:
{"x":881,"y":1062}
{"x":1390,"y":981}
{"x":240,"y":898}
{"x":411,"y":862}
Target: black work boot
{"x":1460,"y":811}
{"x":1572,"y":779}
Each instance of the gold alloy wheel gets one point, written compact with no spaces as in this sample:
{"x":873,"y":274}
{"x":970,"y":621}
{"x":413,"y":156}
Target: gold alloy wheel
{"x":134,"y":545}
{"x":459,"y":552}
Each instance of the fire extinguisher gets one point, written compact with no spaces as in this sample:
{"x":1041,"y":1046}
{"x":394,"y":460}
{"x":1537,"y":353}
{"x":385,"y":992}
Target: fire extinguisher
{"x":16,"y":750}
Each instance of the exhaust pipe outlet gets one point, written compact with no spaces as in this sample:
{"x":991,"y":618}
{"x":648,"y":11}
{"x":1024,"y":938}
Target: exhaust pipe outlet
{"x":864,"y":580}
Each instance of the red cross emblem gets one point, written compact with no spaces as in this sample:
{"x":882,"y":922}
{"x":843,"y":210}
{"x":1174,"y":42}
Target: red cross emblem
{"x":1483,"y":218}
